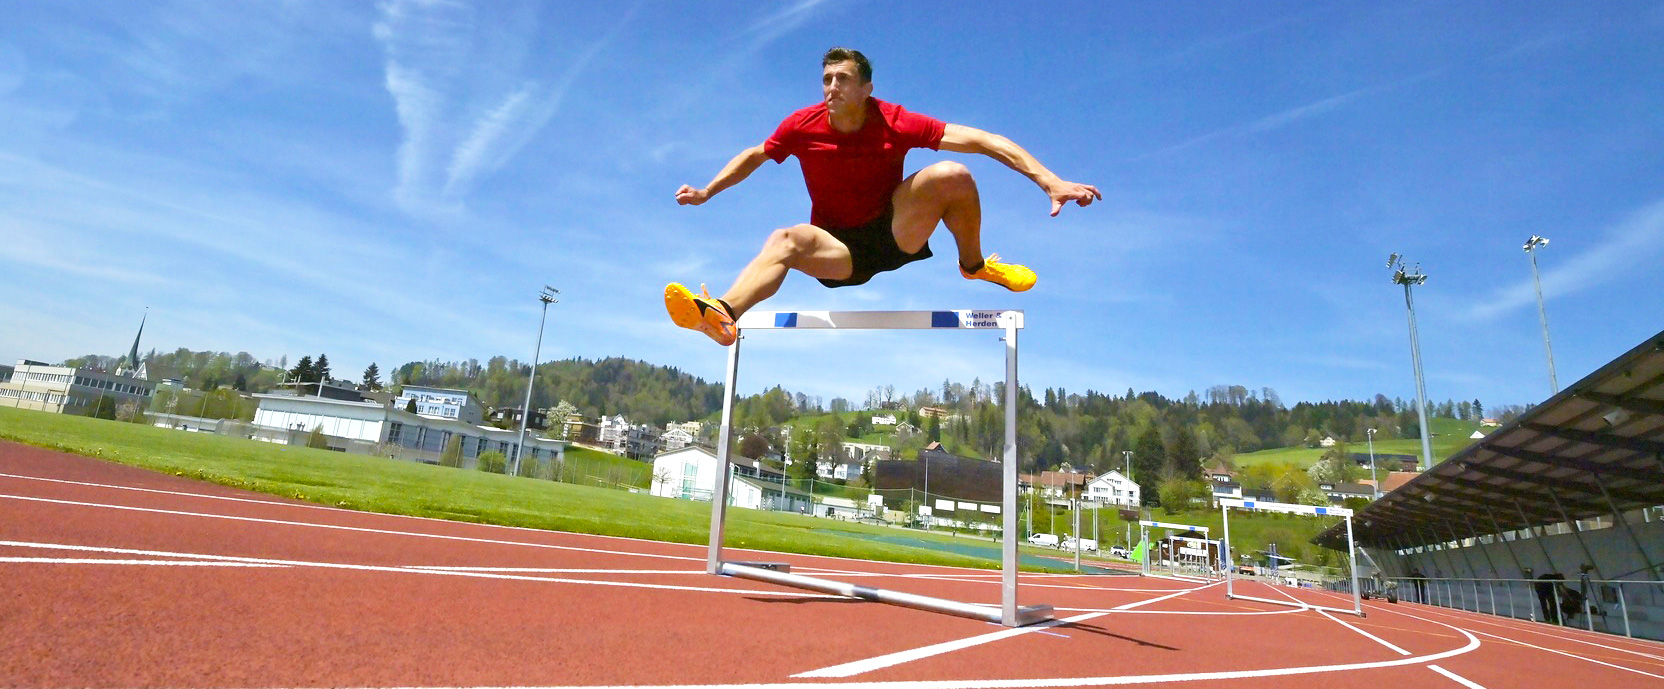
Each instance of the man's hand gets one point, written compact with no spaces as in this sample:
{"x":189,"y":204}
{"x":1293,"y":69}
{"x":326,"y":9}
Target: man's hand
{"x":1064,"y":192}
{"x":689,"y":196}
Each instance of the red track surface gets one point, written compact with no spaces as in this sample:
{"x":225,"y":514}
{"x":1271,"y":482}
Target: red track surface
{"x":192,"y":585}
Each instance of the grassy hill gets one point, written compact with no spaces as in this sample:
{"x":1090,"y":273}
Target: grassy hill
{"x":1449,"y":437}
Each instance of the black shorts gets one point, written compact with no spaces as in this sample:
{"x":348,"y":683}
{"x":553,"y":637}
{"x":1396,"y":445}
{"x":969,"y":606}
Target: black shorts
{"x":872,"y":250}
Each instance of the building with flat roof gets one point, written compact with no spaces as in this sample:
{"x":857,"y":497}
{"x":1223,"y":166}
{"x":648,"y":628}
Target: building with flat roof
{"x":443,"y":403}
{"x":67,"y":390}
{"x":364,"y":424}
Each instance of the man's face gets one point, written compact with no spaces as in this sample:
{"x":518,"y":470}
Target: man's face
{"x":841,"y":86}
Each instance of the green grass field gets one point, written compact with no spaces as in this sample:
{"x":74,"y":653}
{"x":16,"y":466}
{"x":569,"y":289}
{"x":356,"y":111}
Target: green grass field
{"x":390,"y":486}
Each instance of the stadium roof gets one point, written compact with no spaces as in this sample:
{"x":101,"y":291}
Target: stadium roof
{"x":1594,"y":447}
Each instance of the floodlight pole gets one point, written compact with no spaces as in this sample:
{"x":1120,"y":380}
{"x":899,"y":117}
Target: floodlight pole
{"x":547,"y":296}
{"x":1409,"y":280}
{"x":1531,"y":246}
{"x":1370,"y":434}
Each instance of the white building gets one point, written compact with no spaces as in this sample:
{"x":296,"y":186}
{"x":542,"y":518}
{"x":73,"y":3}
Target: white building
{"x":65,"y":390}
{"x":442,"y":403}
{"x":690,"y":474}
{"x":1113,"y":489}
{"x":369,"y":423}
{"x":676,"y":438}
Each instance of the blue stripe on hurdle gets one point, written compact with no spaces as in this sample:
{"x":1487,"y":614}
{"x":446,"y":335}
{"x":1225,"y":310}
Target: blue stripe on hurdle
{"x":1248,"y":505}
{"x":944,"y":319}
{"x":785,"y":319}
{"x":1321,"y":510}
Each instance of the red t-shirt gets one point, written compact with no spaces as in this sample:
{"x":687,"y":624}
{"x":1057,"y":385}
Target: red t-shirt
{"x":851,"y":176}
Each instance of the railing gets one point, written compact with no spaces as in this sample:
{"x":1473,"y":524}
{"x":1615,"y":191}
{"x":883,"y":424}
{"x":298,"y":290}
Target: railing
{"x":1631,"y":607}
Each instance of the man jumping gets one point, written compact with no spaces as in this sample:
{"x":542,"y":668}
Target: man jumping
{"x":865,"y":219}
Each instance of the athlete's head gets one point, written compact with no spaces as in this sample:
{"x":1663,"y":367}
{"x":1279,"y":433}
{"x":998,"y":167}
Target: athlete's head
{"x":837,"y":55}
{"x":846,"y":79}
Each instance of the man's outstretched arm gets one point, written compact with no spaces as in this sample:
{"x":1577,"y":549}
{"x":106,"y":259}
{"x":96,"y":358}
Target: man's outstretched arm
{"x":733,"y":173}
{"x":962,"y":139}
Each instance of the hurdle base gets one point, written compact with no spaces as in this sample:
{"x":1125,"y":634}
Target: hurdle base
{"x":1028,"y":615}
{"x":771,"y":566}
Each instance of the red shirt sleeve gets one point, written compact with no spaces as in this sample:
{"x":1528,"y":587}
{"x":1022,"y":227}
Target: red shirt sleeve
{"x":916,"y":130}
{"x":783,"y":142}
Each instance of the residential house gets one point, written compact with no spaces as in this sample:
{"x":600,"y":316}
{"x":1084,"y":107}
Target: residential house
{"x":690,"y":474}
{"x":1113,"y":488}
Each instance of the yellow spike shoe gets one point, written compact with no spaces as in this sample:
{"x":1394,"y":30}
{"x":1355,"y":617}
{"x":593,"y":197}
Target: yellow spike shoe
{"x":1008,"y":275}
{"x":702,"y":313}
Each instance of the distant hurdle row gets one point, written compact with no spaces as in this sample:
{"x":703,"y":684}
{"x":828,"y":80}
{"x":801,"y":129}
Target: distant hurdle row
{"x":1009,"y":613}
{"x":1225,"y":505}
{"x":1203,"y":560}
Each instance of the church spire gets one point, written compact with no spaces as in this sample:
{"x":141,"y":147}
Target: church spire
{"x":132,"y":361}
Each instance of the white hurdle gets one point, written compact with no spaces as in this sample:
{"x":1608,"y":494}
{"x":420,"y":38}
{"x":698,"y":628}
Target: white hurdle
{"x":1009,"y":613}
{"x":1225,"y":505}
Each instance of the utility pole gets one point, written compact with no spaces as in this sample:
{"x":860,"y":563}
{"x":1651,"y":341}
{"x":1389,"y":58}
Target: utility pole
{"x":1370,"y":433}
{"x":547,"y":296}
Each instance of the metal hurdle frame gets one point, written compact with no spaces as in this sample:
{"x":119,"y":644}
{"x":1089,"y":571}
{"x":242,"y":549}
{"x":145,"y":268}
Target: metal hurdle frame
{"x":1009,"y":613}
{"x":1144,"y":527}
{"x":1225,"y":505}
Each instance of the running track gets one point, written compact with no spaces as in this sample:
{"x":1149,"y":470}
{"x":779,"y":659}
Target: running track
{"x":115,"y":576}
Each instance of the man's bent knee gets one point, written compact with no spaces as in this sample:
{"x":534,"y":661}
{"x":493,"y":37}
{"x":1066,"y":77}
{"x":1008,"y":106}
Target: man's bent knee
{"x":791,"y":243}
{"x":949,"y":178}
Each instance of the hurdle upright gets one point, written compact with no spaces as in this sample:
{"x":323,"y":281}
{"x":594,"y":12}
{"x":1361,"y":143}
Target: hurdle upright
{"x":1009,"y":613}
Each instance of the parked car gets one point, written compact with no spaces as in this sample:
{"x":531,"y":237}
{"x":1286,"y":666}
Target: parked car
{"x":1044,"y":539}
{"x":1119,"y":551}
{"x":1086,"y":544}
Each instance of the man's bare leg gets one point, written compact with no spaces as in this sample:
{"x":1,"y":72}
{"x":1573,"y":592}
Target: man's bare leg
{"x":804,"y":248}
{"x":942,"y":193}
{"x":946,"y":193}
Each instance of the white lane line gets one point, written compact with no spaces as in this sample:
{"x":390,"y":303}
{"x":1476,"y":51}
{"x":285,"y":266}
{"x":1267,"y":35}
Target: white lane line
{"x":435,"y":520}
{"x":897,"y":658}
{"x":1367,"y":635}
{"x":884,"y":661}
{"x":359,"y":529}
{"x":1515,"y":625}
{"x":403,"y":570}
{"x":1470,"y":684}
{"x":1499,"y":637}
{"x":1050,"y":683}
{"x":97,"y":561}
{"x":551,"y":570}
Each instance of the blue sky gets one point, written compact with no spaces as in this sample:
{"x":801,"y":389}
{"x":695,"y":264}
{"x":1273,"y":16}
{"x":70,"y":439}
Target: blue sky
{"x":395,"y":181}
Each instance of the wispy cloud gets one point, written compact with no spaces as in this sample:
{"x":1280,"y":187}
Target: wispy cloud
{"x":458,"y":123}
{"x":782,"y":22}
{"x":1636,"y":241}
{"x":1290,"y":116}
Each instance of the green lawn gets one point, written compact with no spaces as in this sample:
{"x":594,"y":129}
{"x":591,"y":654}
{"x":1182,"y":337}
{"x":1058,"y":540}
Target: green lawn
{"x":398,"y":487}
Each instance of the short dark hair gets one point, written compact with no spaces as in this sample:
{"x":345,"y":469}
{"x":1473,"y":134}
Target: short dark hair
{"x":837,"y":55}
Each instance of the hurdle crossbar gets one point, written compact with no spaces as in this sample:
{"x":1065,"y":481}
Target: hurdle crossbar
{"x":1225,"y":505}
{"x":1009,"y":613}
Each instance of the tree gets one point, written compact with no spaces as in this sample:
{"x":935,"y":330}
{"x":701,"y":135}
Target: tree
{"x":316,"y":438}
{"x":241,"y":383}
{"x":372,"y":377}
{"x":302,"y":371}
{"x":452,"y":454}
{"x":491,"y":461}
{"x":410,"y":406}
{"x":320,"y":369}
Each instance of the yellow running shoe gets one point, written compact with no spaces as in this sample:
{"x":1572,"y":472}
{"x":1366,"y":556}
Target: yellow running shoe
{"x":702,"y":313}
{"x":1008,"y":275}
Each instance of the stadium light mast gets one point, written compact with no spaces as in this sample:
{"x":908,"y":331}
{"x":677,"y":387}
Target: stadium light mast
{"x":1403,"y":276}
{"x":1370,"y":434}
{"x":1531,"y":246}
{"x":547,"y":296}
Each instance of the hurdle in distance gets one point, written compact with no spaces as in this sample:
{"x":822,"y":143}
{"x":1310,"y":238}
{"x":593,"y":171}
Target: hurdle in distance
{"x":1009,"y":613}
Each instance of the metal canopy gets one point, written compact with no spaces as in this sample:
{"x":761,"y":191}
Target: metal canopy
{"x":1596,"y":446}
